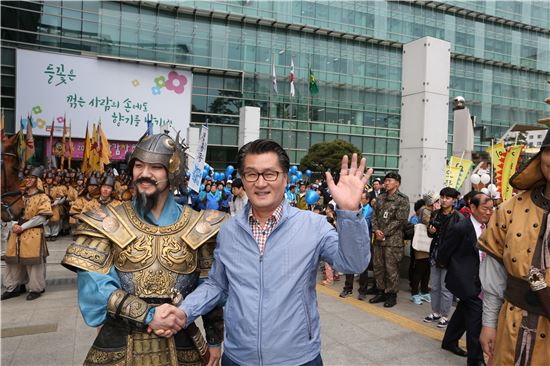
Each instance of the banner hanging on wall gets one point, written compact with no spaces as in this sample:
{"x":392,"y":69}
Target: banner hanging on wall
{"x":121,"y":95}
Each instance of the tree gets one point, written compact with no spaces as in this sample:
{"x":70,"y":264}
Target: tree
{"x":327,"y":155}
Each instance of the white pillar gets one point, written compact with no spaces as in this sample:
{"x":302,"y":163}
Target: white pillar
{"x":249,"y":124}
{"x":424,"y":116}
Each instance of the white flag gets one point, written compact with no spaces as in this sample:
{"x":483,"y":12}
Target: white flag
{"x":274,"y":78}
{"x":291,"y":77}
{"x":200,"y":159}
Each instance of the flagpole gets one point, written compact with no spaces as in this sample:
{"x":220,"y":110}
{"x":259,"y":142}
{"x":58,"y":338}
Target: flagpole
{"x":308,"y":94}
{"x":273,"y":83}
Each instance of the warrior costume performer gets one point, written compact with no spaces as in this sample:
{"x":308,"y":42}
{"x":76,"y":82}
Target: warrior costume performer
{"x":515,"y":273}
{"x":128,"y":262}
{"x":27,"y":251}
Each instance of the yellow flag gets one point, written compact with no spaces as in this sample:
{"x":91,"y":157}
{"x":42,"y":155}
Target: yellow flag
{"x":496,"y":153}
{"x":508,"y":169}
{"x":86,"y":155}
{"x":94,"y":155}
{"x":457,"y":171}
{"x":104,"y":150}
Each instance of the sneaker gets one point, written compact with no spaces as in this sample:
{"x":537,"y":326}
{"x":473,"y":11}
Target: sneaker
{"x":361,"y":297}
{"x":417,"y":299}
{"x":426,"y":297}
{"x":442,"y":323}
{"x":432,"y":318}
{"x":345,"y":293}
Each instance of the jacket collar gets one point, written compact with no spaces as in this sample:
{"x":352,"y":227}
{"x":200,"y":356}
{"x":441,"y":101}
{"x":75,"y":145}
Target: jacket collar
{"x":242,"y":217}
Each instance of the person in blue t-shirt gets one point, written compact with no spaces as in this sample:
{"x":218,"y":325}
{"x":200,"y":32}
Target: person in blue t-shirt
{"x":213,"y":198}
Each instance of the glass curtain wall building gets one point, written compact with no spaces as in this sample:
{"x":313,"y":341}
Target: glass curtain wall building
{"x":500,"y":61}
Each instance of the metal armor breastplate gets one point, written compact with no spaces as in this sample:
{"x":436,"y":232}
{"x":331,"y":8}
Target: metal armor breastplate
{"x":158,"y":256}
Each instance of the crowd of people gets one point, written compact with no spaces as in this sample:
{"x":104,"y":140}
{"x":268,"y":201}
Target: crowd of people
{"x":143,"y":243}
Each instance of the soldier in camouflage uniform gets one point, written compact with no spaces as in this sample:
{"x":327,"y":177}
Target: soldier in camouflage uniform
{"x":391,"y":212}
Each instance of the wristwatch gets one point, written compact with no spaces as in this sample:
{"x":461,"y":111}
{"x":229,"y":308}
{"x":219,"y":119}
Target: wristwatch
{"x":536,"y":279}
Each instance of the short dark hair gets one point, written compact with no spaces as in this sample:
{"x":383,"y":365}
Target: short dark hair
{"x":449,"y":192}
{"x":393,"y":175}
{"x":418,"y":204}
{"x":478,"y":198}
{"x":468,"y":196}
{"x":263,"y":146}
{"x":237,"y":183}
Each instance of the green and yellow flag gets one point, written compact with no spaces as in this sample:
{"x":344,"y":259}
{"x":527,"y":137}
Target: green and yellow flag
{"x":313,"y":88}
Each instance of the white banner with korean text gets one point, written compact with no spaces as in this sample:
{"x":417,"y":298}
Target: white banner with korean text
{"x":119,"y":94}
{"x":200,"y":158}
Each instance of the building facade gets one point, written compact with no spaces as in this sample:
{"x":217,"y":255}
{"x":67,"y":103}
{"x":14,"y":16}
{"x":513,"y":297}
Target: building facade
{"x":500,"y":61}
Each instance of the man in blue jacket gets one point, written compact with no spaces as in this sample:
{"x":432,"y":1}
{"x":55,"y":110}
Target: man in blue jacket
{"x":267,"y":258}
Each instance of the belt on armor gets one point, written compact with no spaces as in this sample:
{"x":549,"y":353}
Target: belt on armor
{"x":519,"y":293}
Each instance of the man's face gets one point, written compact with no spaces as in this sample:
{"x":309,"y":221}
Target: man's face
{"x":364,"y":198}
{"x":149,"y":178}
{"x":80,"y":182}
{"x":391,"y":184}
{"x":302,"y":188}
{"x":92,"y":188}
{"x":49,"y":180}
{"x":58,"y":179}
{"x":293,"y":189}
{"x":213,"y":188}
{"x":262,"y":194}
{"x":446,"y":201}
{"x":236,"y":191}
{"x":545,"y":164}
{"x":106,"y":191}
{"x":376,"y":185}
{"x":483,"y":212}
{"x":30,"y":181}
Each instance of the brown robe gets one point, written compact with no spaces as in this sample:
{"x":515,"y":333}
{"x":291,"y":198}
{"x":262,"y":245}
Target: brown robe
{"x":511,"y":237}
{"x":29,"y":247}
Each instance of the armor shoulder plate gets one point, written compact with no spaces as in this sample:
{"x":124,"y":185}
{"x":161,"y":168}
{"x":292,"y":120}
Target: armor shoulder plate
{"x":108,"y":221}
{"x":206,"y":224}
{"x":88,"y":253}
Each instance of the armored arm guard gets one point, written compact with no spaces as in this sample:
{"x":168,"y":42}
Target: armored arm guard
{"x":213,"y":326}
{"x":129,"y":308}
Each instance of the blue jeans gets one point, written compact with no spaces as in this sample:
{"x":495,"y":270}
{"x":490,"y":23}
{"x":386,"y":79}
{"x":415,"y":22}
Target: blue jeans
{"x":317,"y":361}
{"x":442,"y":299}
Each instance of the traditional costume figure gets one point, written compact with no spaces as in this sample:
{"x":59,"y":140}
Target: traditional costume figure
{"x":58,"y":194}
{"x":27,"y":251}
{"x":106,"y":196}
{"x":128,"y":261}
{"x":516,"y":272}
{"x":84,"y":197}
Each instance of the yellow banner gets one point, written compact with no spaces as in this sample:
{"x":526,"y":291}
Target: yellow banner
{"x":496,"y":152}
{"x":508,"y":169}
{"x":457,"y":172}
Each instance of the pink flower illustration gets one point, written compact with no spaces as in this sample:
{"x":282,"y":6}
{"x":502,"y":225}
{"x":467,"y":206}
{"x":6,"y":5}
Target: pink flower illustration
{"x":176,"y":82}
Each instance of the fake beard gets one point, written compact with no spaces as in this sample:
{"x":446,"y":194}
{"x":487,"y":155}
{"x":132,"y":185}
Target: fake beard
{"x":145,"y":202}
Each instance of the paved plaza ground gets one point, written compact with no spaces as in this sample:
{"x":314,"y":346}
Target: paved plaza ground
{"x":50,"y":330}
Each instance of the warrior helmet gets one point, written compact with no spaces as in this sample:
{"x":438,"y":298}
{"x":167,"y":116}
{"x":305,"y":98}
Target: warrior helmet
{"x":93,"y":181}
{"x":35,"y":171}
{"x":162,"y":149}
{"x":109,"y":180}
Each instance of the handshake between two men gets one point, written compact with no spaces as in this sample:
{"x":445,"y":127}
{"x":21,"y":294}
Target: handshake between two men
{"x":167,"y":320}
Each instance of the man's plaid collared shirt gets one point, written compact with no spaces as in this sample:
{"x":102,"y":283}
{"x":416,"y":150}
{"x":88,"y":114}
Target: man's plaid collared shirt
{"x":261,"y":233}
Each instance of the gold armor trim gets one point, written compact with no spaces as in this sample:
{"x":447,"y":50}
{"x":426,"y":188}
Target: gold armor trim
{"x":89,"y":254}
{"x":154,"y":283}
{"x":206,"y":225}
{"x":102,"y":221}
{"x":132,"y":308}
{"x":148,"y":349}
{"x":97,"y":357}
{"x":84,"y":229}
{"x":153,"y":229}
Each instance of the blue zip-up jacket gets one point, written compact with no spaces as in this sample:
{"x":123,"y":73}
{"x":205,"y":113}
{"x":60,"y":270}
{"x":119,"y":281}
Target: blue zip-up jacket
{"x":271,"y":315}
